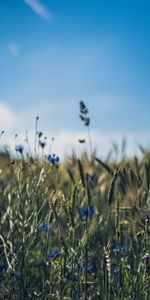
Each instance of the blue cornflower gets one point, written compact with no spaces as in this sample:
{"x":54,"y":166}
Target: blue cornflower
{"x":44,"y":226}
{"x":90,"y":177}
{"x":116,"y":269}
{"x":89,"y":268}
{"x":146,"y":257}
{"x":3,"y":266}
{"x":42,"y":144}
{"x":19,"y":148}
{"x":87,"y":211}
{"x":54,"y":254}
{"x":119,"y":248}
{"x":53,"y":158}
{"x":84,"y":212}
{"x":124,"y":248}
{"x":17,"y":275}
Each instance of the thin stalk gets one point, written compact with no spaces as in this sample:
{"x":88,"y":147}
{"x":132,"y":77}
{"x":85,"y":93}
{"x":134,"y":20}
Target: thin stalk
{"x":35,"y":140}
{"x":86,"y":262}
{"x":90,"y":142}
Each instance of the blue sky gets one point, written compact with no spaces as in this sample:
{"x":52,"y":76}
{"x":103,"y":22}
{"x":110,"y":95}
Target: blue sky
{"x":54,"y":53}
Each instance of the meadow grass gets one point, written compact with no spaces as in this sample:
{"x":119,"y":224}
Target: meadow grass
{"x":77,"y":229}
{"x":74,"y":229}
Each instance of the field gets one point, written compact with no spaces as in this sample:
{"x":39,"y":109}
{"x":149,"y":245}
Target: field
{"x":74,"y":229}
{"x":77,"y":229}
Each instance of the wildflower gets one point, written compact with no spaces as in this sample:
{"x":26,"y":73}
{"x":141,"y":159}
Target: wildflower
{"x":12,"y":162}
{"x":146,"y":257}
{"x":54,"y":254}
{"x":84,"y":212}
{"x":89,"y":268}
{"x":119,"y":248}
{"x":124,"y":248}
{"x":42,"y":144}
{"x":19,"y":148}
{"x":40,"y":133}
{"x":53,"y":158}
{"x":116,"y":269}
{"x":83,"y":108}
{"x":90,"y":177}
{"x":44,"y":226}
{"x":87,"y":211}
{"x":17,"y":276}
{"x":3,"y":266}
{"x":87,"y":122}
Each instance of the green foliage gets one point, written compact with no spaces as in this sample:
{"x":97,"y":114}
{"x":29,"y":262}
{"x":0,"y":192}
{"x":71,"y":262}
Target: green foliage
{"x":53,"y":247}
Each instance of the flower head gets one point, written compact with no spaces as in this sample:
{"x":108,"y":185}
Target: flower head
{"x":90,"y":177}
{"x":83,"y":108}
{"x":53,"y":254}
{"x":84,"y":212}
{"x":87,"y":211}
{"x":44,"y":226}
{"x":17,"y":275}
{"x":40,"y":133}
{"x":3,"y":266}
{"x":89,"y":268}
{"x":116,"y":269}
{"x":53,"y":158}
{"x":42,"y":144}
{"x":146,"y":257}
{"x":19,"y":148}
{"x":119,"y":248}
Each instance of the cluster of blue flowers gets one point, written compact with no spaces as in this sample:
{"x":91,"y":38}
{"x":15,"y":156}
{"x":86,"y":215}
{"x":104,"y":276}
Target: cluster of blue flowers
{"x":3,"y":266}
{"x":53,"y":158}
{"x":119,"y":248}
{"x":87,"y":267}
{"x":44,"y":226}
{"x":87,"y":211}
{"x":19,"y":149}
{"x":53,"y":254}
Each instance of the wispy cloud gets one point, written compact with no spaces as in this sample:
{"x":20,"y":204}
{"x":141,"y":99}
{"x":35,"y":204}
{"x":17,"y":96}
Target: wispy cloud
{"x":13,"y":49}
{"x":39,"y":9}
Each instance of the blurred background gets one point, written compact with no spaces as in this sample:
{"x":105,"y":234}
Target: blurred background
{"x":55,"y":53}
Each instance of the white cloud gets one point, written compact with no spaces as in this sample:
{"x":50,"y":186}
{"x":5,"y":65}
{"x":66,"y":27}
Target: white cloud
{"x":13,"y":49}
{"x":65,"y":140}
{"x":39,"y":9}
{"x":7,"y":117}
